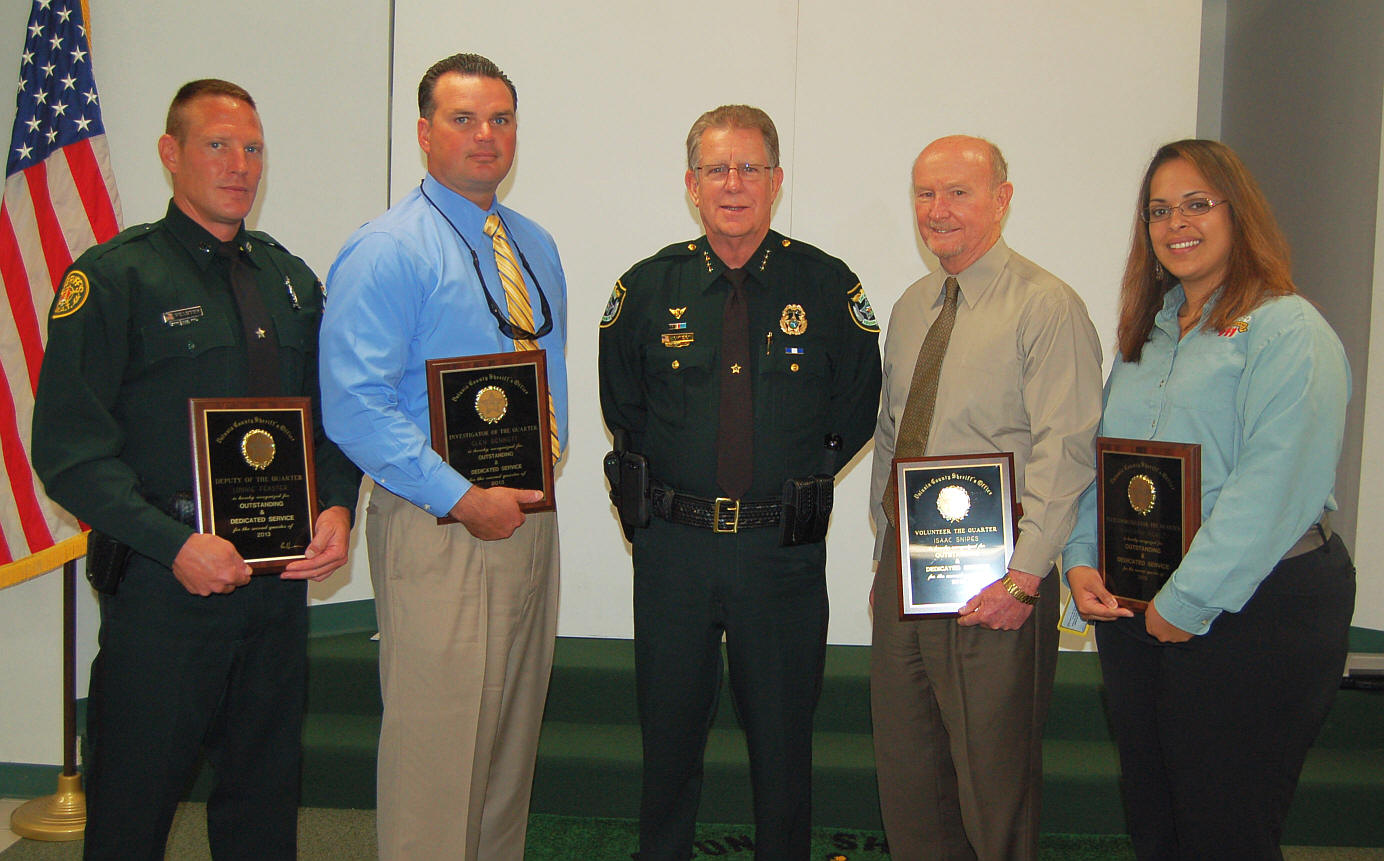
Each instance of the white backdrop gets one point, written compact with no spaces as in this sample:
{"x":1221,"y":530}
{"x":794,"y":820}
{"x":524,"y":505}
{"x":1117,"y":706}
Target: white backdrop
{"x":1077,"y":93}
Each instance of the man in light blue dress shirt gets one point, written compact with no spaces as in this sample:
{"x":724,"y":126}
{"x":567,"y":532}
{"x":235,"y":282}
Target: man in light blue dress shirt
{"x":467,"y":611}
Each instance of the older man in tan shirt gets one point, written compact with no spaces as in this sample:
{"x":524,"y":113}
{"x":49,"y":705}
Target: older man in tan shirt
{"x":959,"y":701}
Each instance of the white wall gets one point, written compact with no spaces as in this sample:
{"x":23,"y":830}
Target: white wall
{"x":1078,"y":94}
{"x":323,"y":97}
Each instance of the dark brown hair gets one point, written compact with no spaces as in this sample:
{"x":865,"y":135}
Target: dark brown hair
{"x":1260,"y":261}
{"x":466,"y":65}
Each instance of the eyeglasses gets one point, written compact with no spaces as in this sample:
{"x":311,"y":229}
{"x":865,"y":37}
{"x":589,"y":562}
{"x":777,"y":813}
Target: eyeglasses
{"x":1194,"y":208}
{"x":719,"y":174}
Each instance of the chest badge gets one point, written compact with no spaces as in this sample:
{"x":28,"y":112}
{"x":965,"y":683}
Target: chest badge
{"x":678,"y":312}
{"x":793,"y":320}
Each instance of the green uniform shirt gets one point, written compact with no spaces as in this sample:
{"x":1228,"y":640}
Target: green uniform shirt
{"x":142,"y":323}
{"x":814,"y":361}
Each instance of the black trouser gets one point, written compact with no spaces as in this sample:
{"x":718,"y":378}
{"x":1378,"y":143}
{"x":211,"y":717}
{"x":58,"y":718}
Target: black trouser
{"x":690,"y":585}
{"x":177,"y":672}
{"x":1213,"y":732}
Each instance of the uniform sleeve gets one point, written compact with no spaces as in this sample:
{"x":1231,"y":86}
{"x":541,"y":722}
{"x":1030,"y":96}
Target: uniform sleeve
{"x":76,"y":438}
{"x":1061,"y":387}
{"x":855,"y":377}
{"x":620,"y":367}
{"x":1292,"y":403}
{"x":374,"y":303}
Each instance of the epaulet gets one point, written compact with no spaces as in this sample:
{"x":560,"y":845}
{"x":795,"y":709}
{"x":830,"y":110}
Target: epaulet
{"x":267,"y":240}
{"x":124,"y":237}
{"x":803,"y":249}
{"x":676,"y":251}
{"x":679,"y":249}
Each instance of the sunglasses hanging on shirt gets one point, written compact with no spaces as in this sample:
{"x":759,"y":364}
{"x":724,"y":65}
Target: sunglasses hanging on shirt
{"x":508,"y":328}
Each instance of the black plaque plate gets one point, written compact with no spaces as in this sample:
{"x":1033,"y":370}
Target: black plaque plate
{"x":256,"y":485}
{"x":490,"y":421}
{"x":956,"y":519}
{"x":1149,"y":504}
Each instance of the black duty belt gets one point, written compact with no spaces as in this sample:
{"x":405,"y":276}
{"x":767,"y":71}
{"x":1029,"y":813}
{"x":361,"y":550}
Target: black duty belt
{"x":718,"y":515}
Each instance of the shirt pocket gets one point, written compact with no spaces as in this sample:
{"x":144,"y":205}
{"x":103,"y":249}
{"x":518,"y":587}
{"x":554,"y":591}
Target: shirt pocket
{"x":1206,"y":375}
{"x":297,"y":331}
{"x":677,"y":377}
{"x":164,"y":343}
{"x":796,"y":377}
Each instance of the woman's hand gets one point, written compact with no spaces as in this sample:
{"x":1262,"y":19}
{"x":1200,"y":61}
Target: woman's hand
{"x":1093,"y":601}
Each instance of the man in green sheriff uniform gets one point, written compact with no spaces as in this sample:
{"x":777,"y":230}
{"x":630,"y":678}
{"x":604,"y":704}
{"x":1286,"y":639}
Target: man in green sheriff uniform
{"x":803,"y":364}
{"x":193,"y":651}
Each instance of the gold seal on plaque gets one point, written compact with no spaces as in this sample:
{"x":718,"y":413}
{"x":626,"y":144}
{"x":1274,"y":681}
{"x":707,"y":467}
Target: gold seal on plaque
{"x":1142,"y":494}
{"x":257,"y":447}
{"x":953,"y":503}
{"x":491,"y":404}
{"x":793,"y":320}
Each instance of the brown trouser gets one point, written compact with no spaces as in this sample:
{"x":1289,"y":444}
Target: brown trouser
{"x":958,"y":720}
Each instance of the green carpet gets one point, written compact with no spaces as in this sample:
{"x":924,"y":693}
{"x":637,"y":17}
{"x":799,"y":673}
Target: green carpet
{"x":349,"y":835}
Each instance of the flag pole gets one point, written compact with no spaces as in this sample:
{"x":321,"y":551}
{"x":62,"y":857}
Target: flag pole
{"x":62,"y":815}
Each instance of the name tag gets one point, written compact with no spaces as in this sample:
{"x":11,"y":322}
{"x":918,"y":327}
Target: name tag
{"x":182,"y":316}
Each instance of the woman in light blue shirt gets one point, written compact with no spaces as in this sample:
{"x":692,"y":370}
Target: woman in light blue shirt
{"x":1217,"y":690}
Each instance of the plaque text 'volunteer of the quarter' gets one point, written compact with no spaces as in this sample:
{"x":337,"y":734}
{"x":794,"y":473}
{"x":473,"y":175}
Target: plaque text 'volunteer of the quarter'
{"x":956,"y":519}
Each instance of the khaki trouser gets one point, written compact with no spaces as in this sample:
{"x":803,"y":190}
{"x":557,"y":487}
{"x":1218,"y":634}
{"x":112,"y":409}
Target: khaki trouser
{"x":467,"y":630}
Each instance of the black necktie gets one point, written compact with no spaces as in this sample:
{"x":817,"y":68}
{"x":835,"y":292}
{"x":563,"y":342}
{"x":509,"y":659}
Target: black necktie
{"x":735,"y":432}
{"x":261,"y":339}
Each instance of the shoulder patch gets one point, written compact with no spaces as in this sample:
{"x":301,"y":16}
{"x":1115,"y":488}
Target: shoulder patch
{"x":612,"y":309}
{"x":72,"y":295}
{"x":861,"y":312}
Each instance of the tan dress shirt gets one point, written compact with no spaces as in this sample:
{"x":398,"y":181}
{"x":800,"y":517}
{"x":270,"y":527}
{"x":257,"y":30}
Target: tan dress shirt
{"x":1022,"y":374}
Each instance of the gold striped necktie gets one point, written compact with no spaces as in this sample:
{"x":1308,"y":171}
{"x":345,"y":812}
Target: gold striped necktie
{"x":517,"y":299}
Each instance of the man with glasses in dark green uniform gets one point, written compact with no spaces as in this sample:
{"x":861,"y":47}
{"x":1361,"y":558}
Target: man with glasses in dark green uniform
{"x":726,"y":365}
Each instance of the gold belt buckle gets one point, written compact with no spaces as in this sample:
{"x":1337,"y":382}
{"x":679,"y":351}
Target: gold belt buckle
{"x":731,"y":507}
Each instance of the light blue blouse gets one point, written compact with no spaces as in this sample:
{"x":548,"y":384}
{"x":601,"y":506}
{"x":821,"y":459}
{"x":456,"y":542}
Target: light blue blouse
{"x":1266,"y":399}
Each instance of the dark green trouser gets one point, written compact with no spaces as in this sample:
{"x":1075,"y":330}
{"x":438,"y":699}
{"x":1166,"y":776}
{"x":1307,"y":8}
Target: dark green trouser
{"x":177,"y":672}
{"x":690,"y":585}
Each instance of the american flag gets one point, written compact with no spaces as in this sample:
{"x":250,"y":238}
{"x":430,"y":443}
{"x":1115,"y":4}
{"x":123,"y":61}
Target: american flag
{"x":60,"y":199}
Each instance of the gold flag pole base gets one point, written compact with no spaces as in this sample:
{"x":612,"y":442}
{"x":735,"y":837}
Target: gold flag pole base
{"x":57,"y":817}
